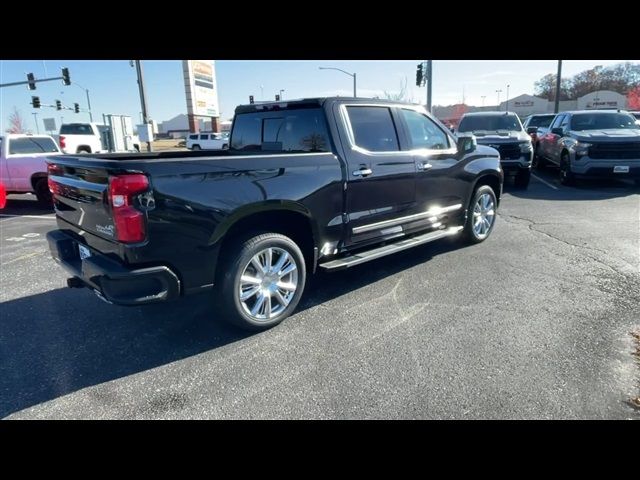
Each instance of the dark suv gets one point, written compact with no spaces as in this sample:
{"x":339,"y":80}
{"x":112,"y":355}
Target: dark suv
{"x":503,"y":131}
{"x":590,"y":143}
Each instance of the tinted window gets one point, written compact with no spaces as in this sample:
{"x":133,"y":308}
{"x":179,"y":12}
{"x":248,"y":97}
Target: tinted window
{"x":602,"y":121}
{"x":76,"y":129}
{"x":423,"y":132}
{"x":204,"y":137}
{"x":295,"y":130}
{"x":373,"y":128}
{"x":27,"y":145}
{"x":193,"y":137}
{"x":540,"y":121}
{"x":556,"y":123}
{"x":490,"y":123}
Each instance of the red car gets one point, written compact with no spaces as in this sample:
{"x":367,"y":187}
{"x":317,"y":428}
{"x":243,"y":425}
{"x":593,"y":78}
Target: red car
{"x":3,"y":196}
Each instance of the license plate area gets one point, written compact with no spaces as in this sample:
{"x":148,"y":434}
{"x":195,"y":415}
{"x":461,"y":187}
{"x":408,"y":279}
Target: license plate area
{"x":84,"y":252}
{"x":621,"y":169}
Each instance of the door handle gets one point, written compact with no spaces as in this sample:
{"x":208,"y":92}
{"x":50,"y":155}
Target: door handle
{"x":363,"y":172}
{"x":424,"y":166}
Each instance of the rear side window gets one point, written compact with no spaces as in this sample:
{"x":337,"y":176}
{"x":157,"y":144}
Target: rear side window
{"x":295,"y":130}
{"x":76,"y":129}
{"x":27,"y":145}
{"x":204,"y":137}
{"x":373,"y":128}
{"x":193,"y":137}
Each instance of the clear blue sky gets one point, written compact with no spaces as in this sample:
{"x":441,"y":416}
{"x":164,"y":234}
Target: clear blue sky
{"x":113,"y":88}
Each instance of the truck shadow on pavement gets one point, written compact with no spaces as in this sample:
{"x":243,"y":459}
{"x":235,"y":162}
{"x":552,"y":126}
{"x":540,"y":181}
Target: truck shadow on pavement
{"x":64,"y":340}
{"x":24,"y":206}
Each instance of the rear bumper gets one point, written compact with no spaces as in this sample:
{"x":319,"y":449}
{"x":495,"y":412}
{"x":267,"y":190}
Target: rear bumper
{"x":111,"y":279}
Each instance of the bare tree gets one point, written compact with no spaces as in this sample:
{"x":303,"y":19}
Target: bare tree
{"x":17,"y":124}
{"x":401,"y":96}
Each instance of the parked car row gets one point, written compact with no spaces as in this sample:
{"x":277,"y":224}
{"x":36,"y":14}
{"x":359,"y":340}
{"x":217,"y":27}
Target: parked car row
{"x":582,"y":144}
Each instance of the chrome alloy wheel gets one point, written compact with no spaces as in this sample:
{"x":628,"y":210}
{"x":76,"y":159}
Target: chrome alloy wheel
{"x":483,"y":215}
{"x":268,"y":283}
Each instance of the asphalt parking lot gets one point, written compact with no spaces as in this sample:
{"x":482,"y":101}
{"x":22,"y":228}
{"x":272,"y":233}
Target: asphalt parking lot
{"x":533,"y":323}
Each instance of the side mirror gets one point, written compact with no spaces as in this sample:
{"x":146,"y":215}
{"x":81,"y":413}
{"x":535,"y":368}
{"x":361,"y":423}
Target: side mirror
{"x":557,"y":131}
{"x":467,"y":144}
{"x":531,"y":130}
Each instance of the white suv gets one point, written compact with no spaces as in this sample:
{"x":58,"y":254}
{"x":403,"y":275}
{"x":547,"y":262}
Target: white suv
{"x":208,"y":141}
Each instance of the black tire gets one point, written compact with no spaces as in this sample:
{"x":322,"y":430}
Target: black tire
{"x":566,"y":177}
{"x":225,"y":146}
{"x":523,"y":177}
{"x":232,"y":270}
{"x":45,"y":199}
{"x":195,"y":147}
{"x":469,"y":234}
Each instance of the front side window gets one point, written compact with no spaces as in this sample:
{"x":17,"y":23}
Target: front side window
{"x":423,"y":132}
{"x":28,"y":145}
{"x":293,"y":130}
{"x":204,"y":137}
{"x":373,"y":128}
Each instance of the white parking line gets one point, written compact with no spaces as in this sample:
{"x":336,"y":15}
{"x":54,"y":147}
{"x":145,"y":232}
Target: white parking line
{"x":39,"y":217}
{"x":545,"y":182}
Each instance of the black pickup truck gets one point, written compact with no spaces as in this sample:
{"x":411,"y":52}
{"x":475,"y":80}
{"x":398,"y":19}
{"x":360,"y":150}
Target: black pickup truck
{"x":308,"y":184}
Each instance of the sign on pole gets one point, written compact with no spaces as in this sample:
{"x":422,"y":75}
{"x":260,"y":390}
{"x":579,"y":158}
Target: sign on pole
{"x":49,"y":124}
{"x":201,"y":88}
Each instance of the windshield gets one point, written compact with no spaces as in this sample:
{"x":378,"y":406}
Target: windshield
{"x":490,"y":123}
{"x":602,"y":121}
{"x":541,"y":121}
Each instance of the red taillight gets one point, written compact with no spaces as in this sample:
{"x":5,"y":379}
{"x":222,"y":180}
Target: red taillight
{"x":129,"y":221}
{"x":3,"y":196}
{"x":53,"y":170}
{"x":62,"y":142}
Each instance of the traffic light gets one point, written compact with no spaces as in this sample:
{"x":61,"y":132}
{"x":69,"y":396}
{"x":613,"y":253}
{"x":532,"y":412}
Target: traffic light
{"x":76,"y":108}
{"x":66,"y":79}
{"x":32,"y":81}
{"x":58,"y":105}
{"x":250,"y":98}
{"x":419,"y":75}
{"x":35,"y":101}
{"x":277,"y":98}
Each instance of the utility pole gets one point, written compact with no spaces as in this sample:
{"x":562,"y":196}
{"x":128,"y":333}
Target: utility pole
{"x":498,"y":92}
{"x":483,"y":97}
{"x":143,"y":97}
{"x":35,"y":117}
{"x":558,"y":83}
{"x":429,"y":75}
{"x":507,"y":106}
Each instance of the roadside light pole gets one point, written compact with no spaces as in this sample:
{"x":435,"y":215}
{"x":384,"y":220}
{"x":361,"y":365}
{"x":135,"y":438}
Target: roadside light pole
{"x":507,"y":106}
{"x":35,"y":119}
{"x":498,"y":92}
{"x":143,"y":97}
{"x":346,"y":73}
{"x":281,"y":94}
{"x":483,"y":97}
{"x":86,"y":90}
{"x":556,"y":107}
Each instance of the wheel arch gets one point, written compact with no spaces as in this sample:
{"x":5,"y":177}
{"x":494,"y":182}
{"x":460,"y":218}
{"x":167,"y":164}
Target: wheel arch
{"x":37,"y":177}
{"x":490,"y":179}
{"x":288,"y":218}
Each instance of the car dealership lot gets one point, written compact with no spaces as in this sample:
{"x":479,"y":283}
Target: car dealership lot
{"x":533,"y":323}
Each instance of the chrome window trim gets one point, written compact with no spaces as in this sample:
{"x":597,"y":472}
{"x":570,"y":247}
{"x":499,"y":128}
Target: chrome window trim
{"x":351,"y":137}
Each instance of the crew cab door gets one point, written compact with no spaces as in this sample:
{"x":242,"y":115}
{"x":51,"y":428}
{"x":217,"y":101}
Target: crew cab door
{"x":550,"y":140}
{"x":380,"y":190}
{"x":435,"y":155}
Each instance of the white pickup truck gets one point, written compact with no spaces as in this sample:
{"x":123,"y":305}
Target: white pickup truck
{"x":92,"y":138}
{"x":23,"y":165}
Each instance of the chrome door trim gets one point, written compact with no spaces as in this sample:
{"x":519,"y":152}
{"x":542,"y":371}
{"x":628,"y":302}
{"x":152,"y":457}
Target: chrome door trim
{"x":434,"y":212}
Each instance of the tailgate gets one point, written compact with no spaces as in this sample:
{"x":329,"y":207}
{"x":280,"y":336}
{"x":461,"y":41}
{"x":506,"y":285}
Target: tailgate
{"x":80,"y":195}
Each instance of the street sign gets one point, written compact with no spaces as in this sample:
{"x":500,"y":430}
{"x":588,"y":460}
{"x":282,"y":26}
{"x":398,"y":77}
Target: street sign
{"x":49,"y":124}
